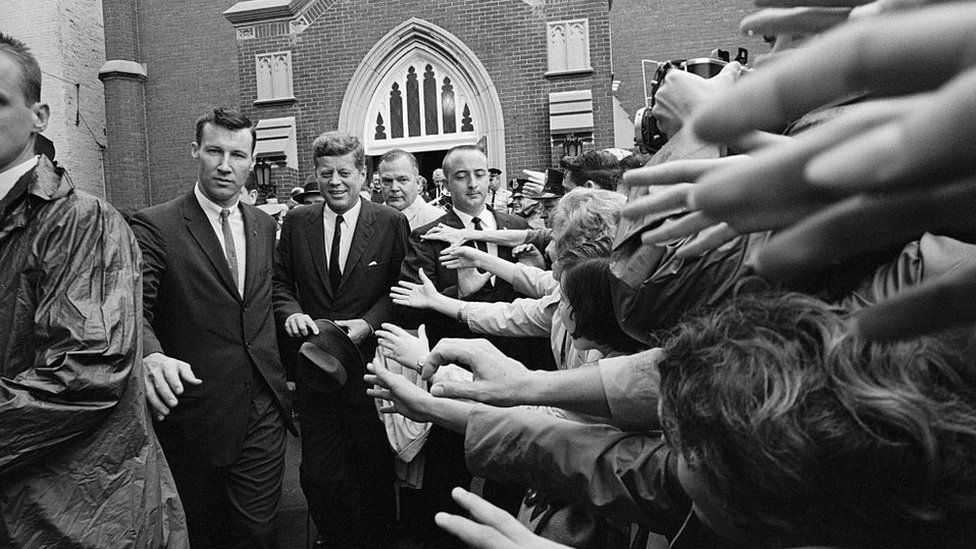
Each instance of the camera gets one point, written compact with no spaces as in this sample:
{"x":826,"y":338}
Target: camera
{"x":648,"y":138}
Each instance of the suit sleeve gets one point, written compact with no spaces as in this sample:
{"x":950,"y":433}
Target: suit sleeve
{"x":628,"y":476}
{"x":283,"y":284}
{"x":153,"y":247}
{"x":85,"y":343}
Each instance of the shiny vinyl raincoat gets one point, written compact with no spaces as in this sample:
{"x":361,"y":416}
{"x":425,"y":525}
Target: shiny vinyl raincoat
{"x":79,"y":464}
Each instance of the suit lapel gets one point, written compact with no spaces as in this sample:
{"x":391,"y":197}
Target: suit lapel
{"x":252,"y":247}
{"x":360,"y":237}
{"x":315,"y":239}
{"x":202,"y":232}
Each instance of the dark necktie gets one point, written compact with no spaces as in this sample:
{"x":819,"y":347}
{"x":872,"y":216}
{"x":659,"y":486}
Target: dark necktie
{"x":230,"y":249}
{"x":335,"y":273}
{"x":480,"y":244}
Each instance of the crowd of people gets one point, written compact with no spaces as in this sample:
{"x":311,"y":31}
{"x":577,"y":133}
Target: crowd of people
{"x":759,"y":336}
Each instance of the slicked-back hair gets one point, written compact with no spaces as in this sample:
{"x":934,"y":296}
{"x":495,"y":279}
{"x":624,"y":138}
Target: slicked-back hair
{"x":227,"y":118}
{"x":807,"y":434}
{"x":598,"y":166}
{"x":397,"y":154}
{"x":446,"y":163}
{"x":586,"y":286}
{"x":340,"y":144}
{"x":30,"y":70}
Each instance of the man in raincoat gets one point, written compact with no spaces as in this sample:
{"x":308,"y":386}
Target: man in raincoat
{"x":79,"y":463}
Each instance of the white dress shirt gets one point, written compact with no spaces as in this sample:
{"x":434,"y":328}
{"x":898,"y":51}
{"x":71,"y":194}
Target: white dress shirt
{"x":421,"y":213}
{"x":9,"y":177}
{"x":236,"y":220}
{"x":349,"y":219}
{"x":488,"y":223}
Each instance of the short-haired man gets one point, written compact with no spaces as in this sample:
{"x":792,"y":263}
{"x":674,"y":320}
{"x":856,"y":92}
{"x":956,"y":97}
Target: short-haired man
{"x":400,"y":177}
{"x":466,"y":169}
{"x":215,"y":379}
{"x":79,"y":463}
{"x":337,"y":261}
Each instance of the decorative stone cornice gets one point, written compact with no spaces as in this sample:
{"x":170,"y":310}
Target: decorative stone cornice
{"x":253,"y":11}
{"x":122,"y":68}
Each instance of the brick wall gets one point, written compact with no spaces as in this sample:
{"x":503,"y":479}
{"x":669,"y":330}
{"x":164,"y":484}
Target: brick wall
{"x":68,"y":42}
{"x":508,"y":36}
{"x":191,"y":57}
{"x":672,"y":29}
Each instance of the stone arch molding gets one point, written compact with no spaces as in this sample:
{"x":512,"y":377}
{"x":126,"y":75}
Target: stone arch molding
{"x":412,"y":40}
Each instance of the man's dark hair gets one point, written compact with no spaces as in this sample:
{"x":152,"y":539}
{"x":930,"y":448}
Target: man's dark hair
{"x":456,"y":150}
{"x":600,"y":167}
{"x":397,"y":154}
{"x":340,"y":144}
{"x":229,"y":119}
{"x":807,"y":434}
{"x":586,"y":286}
{"x":30,"y":71}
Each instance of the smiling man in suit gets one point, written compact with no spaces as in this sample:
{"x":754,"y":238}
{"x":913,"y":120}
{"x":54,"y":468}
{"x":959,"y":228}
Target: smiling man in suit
{"x":337,"y":261}
{"x":214,"y":379}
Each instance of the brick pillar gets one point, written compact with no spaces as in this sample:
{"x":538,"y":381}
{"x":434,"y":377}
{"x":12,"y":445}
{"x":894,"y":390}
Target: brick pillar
{"x":127,"y":182}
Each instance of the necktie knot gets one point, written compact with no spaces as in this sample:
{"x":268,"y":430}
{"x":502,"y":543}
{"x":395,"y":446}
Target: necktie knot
{"x":224,"y":213}
{"x":477,"y":223}
{"x":339,"y":219}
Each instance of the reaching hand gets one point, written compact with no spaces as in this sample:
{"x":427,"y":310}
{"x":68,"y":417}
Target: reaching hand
{"x":470,"y":280}
{"x":529,"y":254}
{"x":890,"y":170}
{"x":164,"y":377}
{"x":403,"y":395}
{"x":492,"y":528}
{"x":682,"y":92}
{"x":461,"y":257}
{"x":414,"y":295}
{"x":399,"y":345}
{"x":358,"y":329}
{"x":481,"y":357}
{"x":454,"y":237}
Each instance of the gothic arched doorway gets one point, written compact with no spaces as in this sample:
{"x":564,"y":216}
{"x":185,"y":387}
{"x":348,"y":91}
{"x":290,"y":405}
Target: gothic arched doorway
{"x":421,"y":89}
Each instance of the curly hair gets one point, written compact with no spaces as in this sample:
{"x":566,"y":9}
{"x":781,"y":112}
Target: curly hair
{"x":806,"y":433}
{"x":340,"y":144}
{"x":586,"y":287}
{"x":585,"y":224}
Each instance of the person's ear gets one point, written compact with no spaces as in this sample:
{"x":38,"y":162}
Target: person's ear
{"x":589,"y":184}
{"x":195,"y":149}
{"x":41,"y":113}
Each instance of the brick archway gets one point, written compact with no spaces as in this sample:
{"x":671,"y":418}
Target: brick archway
{"x":386,"y":85}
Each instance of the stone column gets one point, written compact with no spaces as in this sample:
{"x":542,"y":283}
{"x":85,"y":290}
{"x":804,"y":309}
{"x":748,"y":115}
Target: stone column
{"x":127,"y":177}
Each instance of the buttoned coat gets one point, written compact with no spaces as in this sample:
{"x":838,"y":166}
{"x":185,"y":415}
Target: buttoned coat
{"x":195,"y":313}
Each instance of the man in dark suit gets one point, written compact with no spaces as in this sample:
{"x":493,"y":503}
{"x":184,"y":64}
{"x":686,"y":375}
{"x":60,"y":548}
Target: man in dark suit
{"x":466,"y":169}
{"x":214,"y":379}
{"x":337,"y":261}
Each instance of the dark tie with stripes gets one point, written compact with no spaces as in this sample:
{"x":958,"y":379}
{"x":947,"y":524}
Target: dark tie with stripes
{"x":230,"y":249}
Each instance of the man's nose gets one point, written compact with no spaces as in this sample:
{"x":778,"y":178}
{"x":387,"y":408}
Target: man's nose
{"x":224,"y":165}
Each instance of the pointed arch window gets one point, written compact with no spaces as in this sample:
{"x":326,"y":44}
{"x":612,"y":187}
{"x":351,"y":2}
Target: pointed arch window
{"x":568,"y":46}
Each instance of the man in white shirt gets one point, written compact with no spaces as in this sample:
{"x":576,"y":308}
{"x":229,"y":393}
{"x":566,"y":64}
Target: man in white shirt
{"x":399,"y":175}
{"x":337,"y":261}
{"x":215,"y":380}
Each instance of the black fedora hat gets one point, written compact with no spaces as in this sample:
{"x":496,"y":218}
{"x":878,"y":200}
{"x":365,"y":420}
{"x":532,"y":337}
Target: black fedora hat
{"x":326,"y":361}
{"x":311,"y":189}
